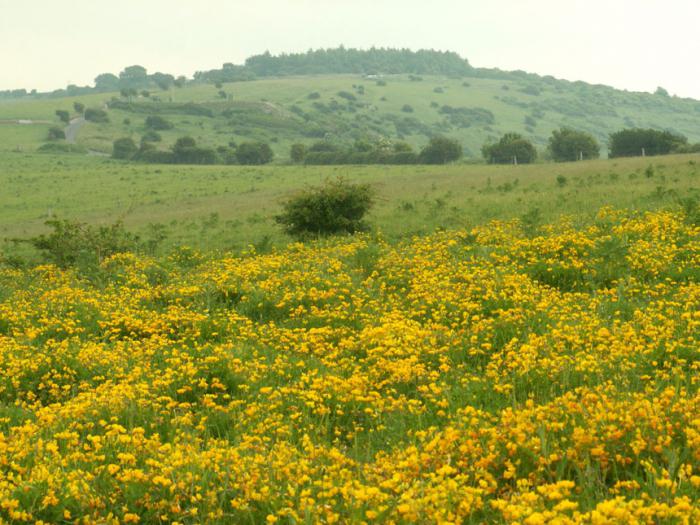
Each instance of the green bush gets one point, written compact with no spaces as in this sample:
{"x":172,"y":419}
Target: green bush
{"x":441,"y":150}
{"x":636,"y":142}
{"x":124,"y":148}
{"x":567,"y":145}
{"x":156,"y":122}
{"x":297,"y":153}
{"x":337,"y":207}
{"x":96,"y":115}
{"x":254,"y":153}
{"x":510,"y":147}
{"x":56,"y":133}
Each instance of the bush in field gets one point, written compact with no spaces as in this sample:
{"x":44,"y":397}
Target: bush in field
{"x":156,"y":122}
{"x":63,"y":115}
{"x":151,"y":136}
{"x":636,"y":142}
{"x":79,"y":107}
{"x":567,"y":144}
{"x":510,"y":148}
{"x":441,"y":150}
{"x":124,"y":148}
{"x":337,"y":207}
{"x":75,"y":243}
{"x":297,"y":153}
{"x":56,"y":133}
{"x":186,"y":151}
{"x":96,"y":115}
{"x":254,"y":153}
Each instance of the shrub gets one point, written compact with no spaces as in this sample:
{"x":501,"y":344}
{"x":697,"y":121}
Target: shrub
{"x":156,"y":122}
{"x":314,"y":96}
{"x":96,"y":115}
{"x":124,"y":148}
{"x":79,"y":107}
{"x":56,"y":133}
{"x":407,"y":109}
{"x":254,"y":153}
{"x":337,"y":207}
{"x":567,"y":144}
{"x":635,"y":142}
{"x":509,"y":148}
{"x":63,"y":115}
{"x":653,"y":142}
{"x":151,"y":136}
{"x":347,"y":96}
{"x":297,"y":153}
{"x":71,"y":243}
{"x":441,"y":150}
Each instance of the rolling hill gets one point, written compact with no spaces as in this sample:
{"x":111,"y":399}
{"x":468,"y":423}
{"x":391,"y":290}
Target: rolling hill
{"x":277,"y":106}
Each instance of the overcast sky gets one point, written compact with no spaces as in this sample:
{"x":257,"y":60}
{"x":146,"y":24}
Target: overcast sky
{"x":630,"y":44}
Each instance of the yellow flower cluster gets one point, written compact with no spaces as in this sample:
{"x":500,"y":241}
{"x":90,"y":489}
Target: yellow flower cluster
{"x":492,"y":375}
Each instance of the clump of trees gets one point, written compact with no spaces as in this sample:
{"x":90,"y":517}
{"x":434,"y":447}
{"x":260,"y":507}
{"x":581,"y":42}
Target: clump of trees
{"x":566,"y":145}
{"x":336,"y":207}
{"x":186,"y":151}
{"x":512,"y":148}
{"x":63,"y":115}
{"x":635,"y":142}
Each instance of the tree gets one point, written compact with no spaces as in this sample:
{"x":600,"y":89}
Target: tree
{"x":163,"y":80}
{"x":635,"y":142}
{"x":156,"y":122}
{"x":79,"y":107}
{"x":128,"y":93}
{"x":56,"y":133}
{"x":254,"y":153}
{"x":661,"y":92}
{"x":511,"y":148}
{"x":297,"y":153}
{"x":336,"y":207}
{"x":107,"y":82}
{"x":63,"y":115}
{"x":567,"y":144}
{"x":133,"y":76}
{"x":441,"y":150}
{"x":124,"y":148}
{"x":185,"y":151}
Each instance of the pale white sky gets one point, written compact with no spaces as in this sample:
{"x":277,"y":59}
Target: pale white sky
{"x":629,"y":44}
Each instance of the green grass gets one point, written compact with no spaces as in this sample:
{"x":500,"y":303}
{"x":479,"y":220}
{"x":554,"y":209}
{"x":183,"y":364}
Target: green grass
{"x":230,"y":207}
{"x":279,"y":111}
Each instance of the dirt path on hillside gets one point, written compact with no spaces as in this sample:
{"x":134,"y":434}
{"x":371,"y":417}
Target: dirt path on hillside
{"x":72,"y":129}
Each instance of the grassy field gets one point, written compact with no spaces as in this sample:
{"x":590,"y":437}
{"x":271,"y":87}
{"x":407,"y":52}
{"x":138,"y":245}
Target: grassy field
{"x":229,"y":207}
{"x":280,"y":112}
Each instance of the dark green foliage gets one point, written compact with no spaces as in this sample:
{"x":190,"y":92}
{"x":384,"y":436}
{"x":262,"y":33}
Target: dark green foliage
{"x":314,"y":95}
{"x":362,"y":152}
{"x":96,"y":115}
{"x":124,"y":148}
{"x":56,"y":133}
{"x":347,"y":96}
{"x":336,"y":207}
{"x":156,"y":122}
{"x":106,"y":82}
{"x":297,"y":153}
{"x":61,"y":147}
{"x":71,"y":243}
{"x":254,"y":153}
{"x":186,"y":151}
{"x":567,"y":145}
{"x":636,"y":142}
{"x":465,"y":117}
{"x":441,"y":150}
{"x":151,"y":136}
{"x":407,"y":109}
{"x":63,"y":115}
{"x":511,"y":148}
{"x":79,"y":107}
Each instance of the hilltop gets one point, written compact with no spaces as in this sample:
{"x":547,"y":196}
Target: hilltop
{"x":342,"y":96}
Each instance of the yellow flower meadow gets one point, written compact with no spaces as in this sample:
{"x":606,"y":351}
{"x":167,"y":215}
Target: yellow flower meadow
{"x":492,"y":375}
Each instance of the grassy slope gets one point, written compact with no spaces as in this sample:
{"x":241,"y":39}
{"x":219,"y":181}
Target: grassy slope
{"x":231,"y":206}
{"x":265,"y":106}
